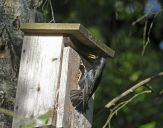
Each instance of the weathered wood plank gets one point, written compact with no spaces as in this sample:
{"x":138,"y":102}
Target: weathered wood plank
{"x":67,"y":116}
{"x":38,"y":80}
{"x":75,"y":30}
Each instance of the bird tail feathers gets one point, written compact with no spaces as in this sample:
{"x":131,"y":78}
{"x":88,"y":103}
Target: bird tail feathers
{"x":76,"y":97}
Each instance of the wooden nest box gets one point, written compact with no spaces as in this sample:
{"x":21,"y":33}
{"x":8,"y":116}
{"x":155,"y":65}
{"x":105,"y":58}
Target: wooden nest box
{"x":49,"y":69}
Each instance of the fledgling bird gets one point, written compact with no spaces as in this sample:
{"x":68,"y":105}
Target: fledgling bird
{"x":88,"y":83}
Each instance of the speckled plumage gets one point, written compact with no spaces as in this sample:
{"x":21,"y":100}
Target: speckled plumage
{"x":88,"y":83}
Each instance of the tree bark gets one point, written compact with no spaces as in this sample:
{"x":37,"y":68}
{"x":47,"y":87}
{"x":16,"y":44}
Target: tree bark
{"x":12,"y":12}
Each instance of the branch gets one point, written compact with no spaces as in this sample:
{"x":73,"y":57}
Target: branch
{"x":141,"y":83}
{"x":53,"y":19}
{"x":122,"y":105}
{"x":6,"y":112}
{"x":147,"y":33}
{"x":139,"y":19}
{"x":143,"y":17}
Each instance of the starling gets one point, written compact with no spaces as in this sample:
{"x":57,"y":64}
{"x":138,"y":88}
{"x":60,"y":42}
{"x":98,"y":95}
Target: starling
{"x":89,"y":81}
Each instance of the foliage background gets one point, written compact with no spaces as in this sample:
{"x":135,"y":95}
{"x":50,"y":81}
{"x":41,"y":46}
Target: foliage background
{"x":110,"y":21}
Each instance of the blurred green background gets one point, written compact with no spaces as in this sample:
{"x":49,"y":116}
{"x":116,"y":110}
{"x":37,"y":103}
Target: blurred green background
{"x":111,"y":21}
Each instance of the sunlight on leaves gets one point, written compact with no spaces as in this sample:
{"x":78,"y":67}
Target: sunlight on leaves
{"x":149,"y":125}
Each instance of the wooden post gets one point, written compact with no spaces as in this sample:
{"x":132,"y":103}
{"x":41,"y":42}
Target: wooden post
{"x":49,"y":69}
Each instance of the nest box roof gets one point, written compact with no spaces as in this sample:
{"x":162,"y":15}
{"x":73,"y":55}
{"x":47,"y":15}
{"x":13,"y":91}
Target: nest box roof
{"x":74,"y":30}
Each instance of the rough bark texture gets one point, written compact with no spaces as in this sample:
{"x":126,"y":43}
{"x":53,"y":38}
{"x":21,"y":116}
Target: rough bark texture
{"x":10,"y":48}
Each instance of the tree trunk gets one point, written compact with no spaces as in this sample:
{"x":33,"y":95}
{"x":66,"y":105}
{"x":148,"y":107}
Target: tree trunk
{"x":12,"y":13}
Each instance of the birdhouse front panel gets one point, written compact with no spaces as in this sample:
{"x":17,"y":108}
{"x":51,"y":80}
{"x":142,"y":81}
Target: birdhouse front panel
{"x":38,"y":80}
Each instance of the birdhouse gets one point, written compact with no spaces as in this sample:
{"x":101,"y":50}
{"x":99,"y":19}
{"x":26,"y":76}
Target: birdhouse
{"x":49,"y":69}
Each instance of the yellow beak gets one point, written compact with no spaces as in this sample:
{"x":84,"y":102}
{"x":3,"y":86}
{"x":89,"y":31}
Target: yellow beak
{"x":91,"y":56}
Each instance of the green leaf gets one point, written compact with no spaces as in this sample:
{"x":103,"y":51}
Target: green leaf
{"x":149,"y":125}
{"x":44,"y":117}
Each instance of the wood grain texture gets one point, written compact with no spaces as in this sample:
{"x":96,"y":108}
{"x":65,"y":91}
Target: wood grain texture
{"x":67,"y":116}
{"x":74,"y":30}
{"x":38,"y":80}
